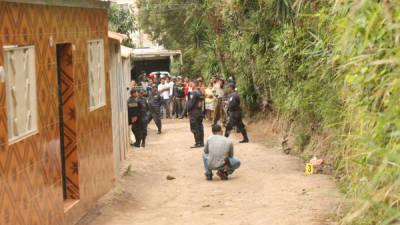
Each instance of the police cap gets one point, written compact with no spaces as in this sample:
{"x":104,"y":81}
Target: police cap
{"x":232,"y":85}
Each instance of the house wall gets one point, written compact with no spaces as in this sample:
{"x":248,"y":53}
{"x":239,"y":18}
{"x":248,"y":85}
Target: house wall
{"x":30,"y":169}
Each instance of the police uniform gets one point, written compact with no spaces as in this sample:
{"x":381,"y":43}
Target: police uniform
{"x":135,"y":110}
{"x":179,"y":94}
{"x":155,"y":105}
{"x":235,"y":116}
{"x":194,"y":107}
{"x":144,"y":109}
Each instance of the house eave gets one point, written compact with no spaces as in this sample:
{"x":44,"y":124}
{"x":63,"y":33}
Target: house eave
{"x":66,"y":3}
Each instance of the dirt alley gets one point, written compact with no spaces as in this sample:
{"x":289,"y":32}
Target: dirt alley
{"x":269,"y":188}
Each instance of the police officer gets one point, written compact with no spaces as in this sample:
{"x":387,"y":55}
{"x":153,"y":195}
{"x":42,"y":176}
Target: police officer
{"x":234,"y":113}
{"x":155,"y":105}
{"x":144,"y":109}
{"x":194,"y":108}
{"x":179,"y":95}
{"x":135,"y":117}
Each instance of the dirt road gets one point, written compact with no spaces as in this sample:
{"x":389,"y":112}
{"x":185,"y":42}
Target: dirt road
{"x":269,"y":188}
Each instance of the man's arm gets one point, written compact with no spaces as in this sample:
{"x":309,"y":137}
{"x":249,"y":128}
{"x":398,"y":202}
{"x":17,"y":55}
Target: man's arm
{"x":206,"y":148}
{"x":231,"y":150}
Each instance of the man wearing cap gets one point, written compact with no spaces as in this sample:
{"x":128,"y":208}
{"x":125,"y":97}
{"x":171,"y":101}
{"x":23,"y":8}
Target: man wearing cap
{"x":235,"y":113}
{"x":135,"y":117}
{"x":155,"y":100}
{"x":194,"y":108}
{"x":144,"y":112}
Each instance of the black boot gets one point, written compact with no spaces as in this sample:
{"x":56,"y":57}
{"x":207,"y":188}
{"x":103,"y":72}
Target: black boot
{"x":201,"y":138}
{"x":144,"y":142}
{"x":137,"y":141}
{"x":227,"y":133}
{"x":245,"y":138}
{"x":197,"y":140}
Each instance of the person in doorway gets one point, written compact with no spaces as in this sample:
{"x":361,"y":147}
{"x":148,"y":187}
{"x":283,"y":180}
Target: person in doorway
{"x":144,"y":82}
{"x":220,"y":93}
{"x":133,"y":84}
{"x":135,"y":117}
{"x":165,"y":90}
{"x":209,"y":102}
{"x":235,"y":113}
{"x":218,"y":155}
{"x":194,"y":108}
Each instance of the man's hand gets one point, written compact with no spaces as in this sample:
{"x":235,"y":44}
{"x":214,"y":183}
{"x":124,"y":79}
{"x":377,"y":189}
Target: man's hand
{"x":134,"y":119}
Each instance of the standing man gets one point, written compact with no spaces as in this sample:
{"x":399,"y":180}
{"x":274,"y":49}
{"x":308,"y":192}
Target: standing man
{"x":144,"y":108}
{"x":220,"y":93}
{"x":218,"y":155}
{"x":194,"y":108}
{"x":235,"y":113}
{"x":173,"y":97}
{"x":135,"y":117}
{"x":179,"y":94}
{"x":155,"y":105}
{"x":165,"y":90}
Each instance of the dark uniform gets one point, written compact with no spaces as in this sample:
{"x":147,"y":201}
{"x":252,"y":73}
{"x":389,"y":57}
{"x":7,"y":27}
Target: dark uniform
{"x":179,"y":95}
{"x":155,"y":105}
{"x":194,"y":107}
{"x":235,"y":116}
{"x":144,"y":108}
{"x":135,"y":110}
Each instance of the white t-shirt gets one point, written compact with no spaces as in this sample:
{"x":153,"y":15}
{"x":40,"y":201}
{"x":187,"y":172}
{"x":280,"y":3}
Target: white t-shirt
{"x":171,"y":89}
{"x":164,"y":94}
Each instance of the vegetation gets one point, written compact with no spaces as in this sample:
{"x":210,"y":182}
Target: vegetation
{"x":121,"y":20}
{"x":327,"y":66}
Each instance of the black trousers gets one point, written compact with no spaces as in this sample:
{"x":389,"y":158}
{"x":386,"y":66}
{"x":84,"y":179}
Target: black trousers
{"x":196,"y":123}
{"x":235,"y":119}
{"x":156,"y":116}
{"x":138,"y":130}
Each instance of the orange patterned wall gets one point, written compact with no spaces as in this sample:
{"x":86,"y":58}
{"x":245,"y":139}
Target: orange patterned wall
{"x":30,"y":170}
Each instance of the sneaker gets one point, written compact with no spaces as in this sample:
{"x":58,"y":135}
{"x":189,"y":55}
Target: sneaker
{"x":159,"y":132}
{"x":209,"y":177}
{"x":223,"y":175}
{"x":244,"y":141}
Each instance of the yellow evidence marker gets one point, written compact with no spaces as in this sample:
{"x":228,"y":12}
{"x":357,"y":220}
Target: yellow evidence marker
{"x":309,"y":169}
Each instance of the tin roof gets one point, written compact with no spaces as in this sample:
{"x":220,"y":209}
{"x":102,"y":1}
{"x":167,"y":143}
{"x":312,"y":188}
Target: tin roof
{"x":102,"y":4}
{"x":117,"y":36}
{"x":126,"y":52}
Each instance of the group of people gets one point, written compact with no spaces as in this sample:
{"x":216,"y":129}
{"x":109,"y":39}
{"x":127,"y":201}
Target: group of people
{"x":217,"y":102}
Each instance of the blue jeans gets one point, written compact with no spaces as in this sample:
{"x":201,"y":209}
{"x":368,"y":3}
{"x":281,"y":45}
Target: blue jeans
{"x":164,"y":103}
{"x":235,"y":163}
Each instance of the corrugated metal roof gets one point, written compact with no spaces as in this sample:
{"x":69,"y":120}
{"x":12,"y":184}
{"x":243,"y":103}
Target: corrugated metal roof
{"x":126,"y":52}
{"x":117,"y":36}
{"x":102,"y":4}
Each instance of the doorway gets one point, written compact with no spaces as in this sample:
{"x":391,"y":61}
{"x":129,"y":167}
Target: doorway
{"x":69,"y":150}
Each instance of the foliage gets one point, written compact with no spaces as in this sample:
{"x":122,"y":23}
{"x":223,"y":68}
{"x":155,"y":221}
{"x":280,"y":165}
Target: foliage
{"x":327,"y":66}
{"x":121,"y":20}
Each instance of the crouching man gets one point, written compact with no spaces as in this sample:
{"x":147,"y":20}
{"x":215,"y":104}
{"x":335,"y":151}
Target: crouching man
{"x":218,"y":155}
